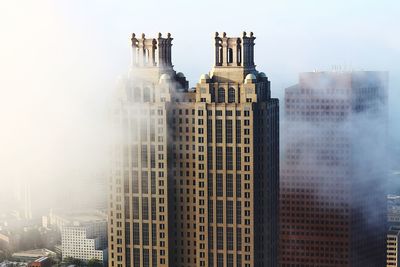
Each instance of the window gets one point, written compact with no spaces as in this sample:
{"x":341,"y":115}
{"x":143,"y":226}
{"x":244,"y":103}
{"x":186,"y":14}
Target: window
{"x":229,"y":158}
{"x":144,"y":156}
{"x":219,"y":158}
{"x":209,"y":158}
{"x":210,"y":184}
{"x":229,"y":185}
{"x":152,"y":156}
{"x":153,"y":183}
{"x":145,"y":257}
{"x":135,"y":207}
{"x":135,"y":182}
{"x":209,"y":130}
{"x":228,"y":126}
{"x":231,"y":95}
{"x":220,"y":212}
{"x":127,"y":233}
{"x":221,"y":95}
{"x":220,"y":238}
{"x":135,"y":156}
{"x":238,"y":158}
{"x":154,"y":234}
{"x":238,"y":212}
{"x":153,"y":208}
{"x":144,"y":183}
{"x":238,"y":185}
{"x":145,"y":208}
{"x":230,"y":55}
{"x":218,"y":131}
{"x":143,"y":130}
{"x":210,"y":211}
{"x":229,"y":211}
{"x":229,"y":259}
{"x":238,"y":131}
{"x":238,"y":259}
{"x":210,"y":238}
{"x":136,"y":236}
{"x":145,"y":233}
{"x":239,"y":238}
{"x":220,"y":188}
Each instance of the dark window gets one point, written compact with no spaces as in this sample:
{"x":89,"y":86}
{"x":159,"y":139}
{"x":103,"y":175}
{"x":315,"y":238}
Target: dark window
{"x":220,"y":188}
{"x":220,"y":211}
{"x":229,"y":158}
{"x":218,"y":131}
{"x":229,"y":185}
{"x":144,"y":183}
{"x":135,"y":207}
{"x":221,"y":95}
{"x":220,"y":238}
{"x":238,"y":185}
{"x":238,"y":158}
{"x":209,"y":131}
{"x":219,"y":158}
{"x":229,"y":211}
{"x":136,"y":234}
{"x":238,"y":131}
{"x":231,"y":95}
{"x":145,"y":208}
{"x":238,"y":212}
{"x":229,"y":137}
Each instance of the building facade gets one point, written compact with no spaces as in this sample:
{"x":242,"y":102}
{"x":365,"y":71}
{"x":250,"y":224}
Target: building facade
{"x":392,"y":243}
{"x":195,"y":181}
{"x":332,"y":191}
{"x":85,"y":240}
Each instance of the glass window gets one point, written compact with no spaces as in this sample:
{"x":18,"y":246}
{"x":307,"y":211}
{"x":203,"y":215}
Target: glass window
{"x":231,"y":95}
{"x":229,"y":137}
{"x":220,"y":211}
{"x":220,"y":238}
{"x":220,"y":188}
{"x":218,"y":131}
{"x":221,"y":95}
{"x":229,"y":211}
{"x":229,"y":185}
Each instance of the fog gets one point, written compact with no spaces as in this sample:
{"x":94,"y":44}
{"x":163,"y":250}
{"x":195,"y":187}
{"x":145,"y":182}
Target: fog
{"x":60,"y":60}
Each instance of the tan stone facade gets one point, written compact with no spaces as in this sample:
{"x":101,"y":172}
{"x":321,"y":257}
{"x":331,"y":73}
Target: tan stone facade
{"x":195,"y":182}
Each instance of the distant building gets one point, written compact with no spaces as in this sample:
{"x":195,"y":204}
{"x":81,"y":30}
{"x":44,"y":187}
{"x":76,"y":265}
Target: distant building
{"x":392,"y":252}
{"x":332,"y":183}
{"x":393,"y":209}
{"x":84,"y":238}
{"x":32,"y":255}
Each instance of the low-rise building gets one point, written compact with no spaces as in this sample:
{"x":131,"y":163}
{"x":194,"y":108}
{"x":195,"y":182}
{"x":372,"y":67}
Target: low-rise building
{"x":392,"y":253}
{"x":32,"y":255}
{"x":85,"y":238}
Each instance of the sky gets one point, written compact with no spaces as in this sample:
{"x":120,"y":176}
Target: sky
{"x":59,"y":62}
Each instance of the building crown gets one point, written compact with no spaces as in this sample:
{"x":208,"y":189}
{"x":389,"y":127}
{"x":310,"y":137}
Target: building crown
{"x":151,"y":52}
{"x":234,"y":51}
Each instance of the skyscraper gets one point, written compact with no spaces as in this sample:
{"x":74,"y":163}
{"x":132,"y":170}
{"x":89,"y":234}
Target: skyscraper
{"x":332,"y":198}
{"x":195,"y":182}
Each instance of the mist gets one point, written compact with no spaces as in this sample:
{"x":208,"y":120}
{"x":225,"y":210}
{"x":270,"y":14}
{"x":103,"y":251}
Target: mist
{"x":59,"y":63}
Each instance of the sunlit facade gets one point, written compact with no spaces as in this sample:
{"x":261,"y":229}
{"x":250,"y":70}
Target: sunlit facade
{"x":195,"y":171}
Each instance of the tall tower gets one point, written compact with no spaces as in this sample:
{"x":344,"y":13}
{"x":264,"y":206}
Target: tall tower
{"x":195,"y":173}
{"x":332,"y":198}
{"x":225,"y":141}
{"x":138,"y":204}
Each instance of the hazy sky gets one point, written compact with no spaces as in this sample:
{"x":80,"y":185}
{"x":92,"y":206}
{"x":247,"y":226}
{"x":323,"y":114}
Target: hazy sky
{"x":59,"y":61}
